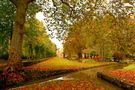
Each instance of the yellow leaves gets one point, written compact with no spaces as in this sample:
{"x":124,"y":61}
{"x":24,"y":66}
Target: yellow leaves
{"x":61,"y":63}
{"x":26,"y":25}
{"x":36,"y":35}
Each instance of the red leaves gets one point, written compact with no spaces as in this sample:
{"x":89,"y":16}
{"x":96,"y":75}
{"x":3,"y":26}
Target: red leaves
{"x":15,"y":77}
{"x":11,"y":77}
{"x":52,"y":69}
{"x":64,"y":85}
{"x":124,"y":75}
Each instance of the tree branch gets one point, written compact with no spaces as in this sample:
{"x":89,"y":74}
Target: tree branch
{"x":67,"y":4}
{"x":14,"y":2}
{"x":54,"y":4}
{"x":29,"y":1}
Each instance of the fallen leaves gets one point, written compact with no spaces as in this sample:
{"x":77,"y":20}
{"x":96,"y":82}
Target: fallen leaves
{"x":63,"y":64}
{"x":62,"y":85}
{"x":123,"y":75}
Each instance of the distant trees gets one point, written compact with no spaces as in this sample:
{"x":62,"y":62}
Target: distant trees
{"x":36,"y":41}
{"x":118,"y":56}
{"x":7,"y":11}
{"x":63,"y":14}
{"x":109,"y":30}
{"x":75,"y":41}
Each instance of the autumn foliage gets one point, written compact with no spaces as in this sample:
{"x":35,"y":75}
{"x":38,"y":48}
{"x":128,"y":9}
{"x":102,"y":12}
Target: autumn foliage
{"x":118,"y":56}
{"x":63,"y":85}
{"x":51,"y":67}
{"x":127,"y":76}
{"x":10,"y":77}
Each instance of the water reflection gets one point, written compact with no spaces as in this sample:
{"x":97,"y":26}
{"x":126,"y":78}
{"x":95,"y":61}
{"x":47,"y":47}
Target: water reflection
{"x":61,"y":78}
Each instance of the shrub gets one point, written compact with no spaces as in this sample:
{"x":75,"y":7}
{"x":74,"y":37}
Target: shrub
{"x":118,"y":56}
{"x":10,"y":77}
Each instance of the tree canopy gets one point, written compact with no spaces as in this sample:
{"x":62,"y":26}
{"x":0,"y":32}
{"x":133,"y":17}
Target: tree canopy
{"x":95,"y":24}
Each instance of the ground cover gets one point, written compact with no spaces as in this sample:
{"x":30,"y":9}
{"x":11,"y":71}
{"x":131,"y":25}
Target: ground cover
{"x":130,"y":67}
{"x":127,"y":74}
{"x":60,"y":63}
{"x":51,"y":67}
{"x":62,"y":85}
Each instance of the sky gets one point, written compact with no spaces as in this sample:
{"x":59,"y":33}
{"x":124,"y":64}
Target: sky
{"x":41,"y":17}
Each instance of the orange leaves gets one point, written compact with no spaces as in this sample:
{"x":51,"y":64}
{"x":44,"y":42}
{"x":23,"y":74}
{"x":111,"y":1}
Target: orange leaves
{"x":124,"y":75}
{"x":64,"y":85}
{"x":63,"y":64}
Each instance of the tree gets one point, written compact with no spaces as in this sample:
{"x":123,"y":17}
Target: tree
{"x":104,"y":31}
{"x":7,"y":11}
{"x":59,"y":18}
{"x":36,"y":41}
{"x":15,"y":51}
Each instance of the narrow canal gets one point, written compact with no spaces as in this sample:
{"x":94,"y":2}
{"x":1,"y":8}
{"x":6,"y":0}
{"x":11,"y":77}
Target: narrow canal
{"x":91,"y":74}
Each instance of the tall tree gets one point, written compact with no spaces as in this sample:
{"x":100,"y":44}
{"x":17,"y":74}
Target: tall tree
{"x":36,"y":43}
{"x":15,"y":51}
{"x":7,"y":11}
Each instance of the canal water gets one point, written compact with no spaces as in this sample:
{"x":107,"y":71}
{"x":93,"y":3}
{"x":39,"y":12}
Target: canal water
{"x":91,"y":74}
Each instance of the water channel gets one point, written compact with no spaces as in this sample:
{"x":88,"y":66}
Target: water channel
{"x":91,"y":74}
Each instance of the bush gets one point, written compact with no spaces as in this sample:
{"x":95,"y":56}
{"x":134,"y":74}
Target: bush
{"x":118,"y":56}
{"x":10,"y":77}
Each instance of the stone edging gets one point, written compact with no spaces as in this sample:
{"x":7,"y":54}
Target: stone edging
{"x":115,"y":81}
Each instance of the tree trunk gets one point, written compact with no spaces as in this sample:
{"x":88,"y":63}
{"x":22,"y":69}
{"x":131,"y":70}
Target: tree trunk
{"x":30,"y":51}
{"x":15,"y":51}
{"x":79,"y":55}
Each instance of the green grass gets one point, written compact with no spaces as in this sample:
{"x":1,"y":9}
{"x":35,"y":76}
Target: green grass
{"x":130,"y":67}
{"x":88,"y":60}
{"x":58,"y":63}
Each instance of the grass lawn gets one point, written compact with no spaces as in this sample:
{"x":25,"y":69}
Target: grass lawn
{"x":57,"y":63}
{"x":130,"y":67}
